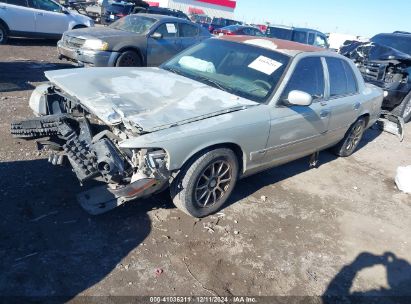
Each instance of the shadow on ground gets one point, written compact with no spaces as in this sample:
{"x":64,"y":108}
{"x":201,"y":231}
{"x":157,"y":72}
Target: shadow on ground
{"x":32,"y":42}
{"x":49,"y":245}
{"x":398,"y":273}
{"x":18,"y":75}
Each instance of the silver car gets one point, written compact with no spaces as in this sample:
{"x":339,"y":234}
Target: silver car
{"x":221,"y":110}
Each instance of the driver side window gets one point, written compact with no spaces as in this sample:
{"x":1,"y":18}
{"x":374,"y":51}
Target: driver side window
{"x":168,"y":30}
{"x":47,"y":5}
{"x":308,"y":76}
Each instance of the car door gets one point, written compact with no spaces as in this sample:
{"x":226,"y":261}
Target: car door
{"x":164,"y":46}
{"x":18,"y":15}
{"x":296,"y":131}
{"x":50,"y":18}
{"x":343,"y":96}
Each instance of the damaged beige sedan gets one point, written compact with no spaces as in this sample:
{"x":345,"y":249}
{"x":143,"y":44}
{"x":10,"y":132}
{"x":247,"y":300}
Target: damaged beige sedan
{"x":221,"y":110}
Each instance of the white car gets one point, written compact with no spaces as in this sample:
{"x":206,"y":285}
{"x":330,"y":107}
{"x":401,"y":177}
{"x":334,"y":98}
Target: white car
{"x":37,"y":18}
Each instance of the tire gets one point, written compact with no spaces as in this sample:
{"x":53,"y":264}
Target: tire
{"x":404,"y":108}
{"x":351,"y":140}
{"x":188,"y":188}
{"x":129,"y":59}
{"x":3,"y":34}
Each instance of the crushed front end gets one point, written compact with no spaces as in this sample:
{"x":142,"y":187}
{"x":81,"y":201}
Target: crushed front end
{"x":77,"y":138}
{"x":388,"y":69}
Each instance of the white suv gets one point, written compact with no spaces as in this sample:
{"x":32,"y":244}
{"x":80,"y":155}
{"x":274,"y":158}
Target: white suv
{"x":37,"y":18}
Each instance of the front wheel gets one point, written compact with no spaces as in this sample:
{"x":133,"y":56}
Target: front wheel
{"x":128,"y":59}
{"x":404,"y":108}
{"x":3,"y":34}
{"x":351,"y":140}
{"x":204,"y":186}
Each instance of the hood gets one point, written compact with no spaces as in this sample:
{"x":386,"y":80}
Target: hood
{"x":148,"y":98}
{"x":98,"y":32}
{"x":371,"y":51}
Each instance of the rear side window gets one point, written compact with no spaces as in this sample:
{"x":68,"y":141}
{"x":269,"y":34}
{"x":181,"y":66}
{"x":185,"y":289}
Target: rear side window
{"x":342,"y":79}
{"x":16,"y":2}
{"x":300,"y":37}
{"x":308,"y":76}
{"x":188,"y":30}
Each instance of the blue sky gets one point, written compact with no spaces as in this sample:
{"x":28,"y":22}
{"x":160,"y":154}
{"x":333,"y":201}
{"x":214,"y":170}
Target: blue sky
{"x":357,"y":17}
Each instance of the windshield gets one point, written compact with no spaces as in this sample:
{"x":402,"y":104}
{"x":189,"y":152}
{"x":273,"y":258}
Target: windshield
{"x":242,"y":69}
{"x":398,"y":42}
{"x":134,"y":23}
{"x":118,"y":8}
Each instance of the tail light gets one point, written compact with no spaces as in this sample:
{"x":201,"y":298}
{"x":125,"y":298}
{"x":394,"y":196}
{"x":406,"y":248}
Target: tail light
{"x":120,"y":15}
{"x":229,"y":33}
{"x":211,"y":28}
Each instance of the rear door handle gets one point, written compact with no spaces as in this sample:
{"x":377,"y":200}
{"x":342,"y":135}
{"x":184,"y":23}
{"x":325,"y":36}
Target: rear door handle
{"x":356,"y":106}
{"x":324,"y":113}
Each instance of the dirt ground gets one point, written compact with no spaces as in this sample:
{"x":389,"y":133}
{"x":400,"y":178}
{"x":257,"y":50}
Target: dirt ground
{"x":340,"y":229}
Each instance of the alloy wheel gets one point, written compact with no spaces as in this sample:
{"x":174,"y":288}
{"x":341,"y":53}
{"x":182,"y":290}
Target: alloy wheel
{"x":355,"y":137}
{"x":213,"y":183}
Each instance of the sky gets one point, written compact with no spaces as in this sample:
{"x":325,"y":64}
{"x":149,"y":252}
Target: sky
{"x":355,"y":17}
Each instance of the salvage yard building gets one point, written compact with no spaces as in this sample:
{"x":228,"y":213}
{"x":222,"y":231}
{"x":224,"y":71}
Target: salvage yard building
{"x":212,"y":8}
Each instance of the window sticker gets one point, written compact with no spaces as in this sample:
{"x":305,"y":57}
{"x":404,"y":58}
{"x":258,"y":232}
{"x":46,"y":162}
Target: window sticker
{"x":265,"y":65}
{"x":171,"y":28}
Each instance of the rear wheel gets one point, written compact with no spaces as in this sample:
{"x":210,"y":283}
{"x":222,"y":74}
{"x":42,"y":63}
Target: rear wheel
{"x":205,"y":185}
{"x":129,"y":59}
{"x":351,"y":140}
{"x":3,"y":34}
{"x":404,"y":108}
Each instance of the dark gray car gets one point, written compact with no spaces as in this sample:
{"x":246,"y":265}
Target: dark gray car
{"x":134,"y":40}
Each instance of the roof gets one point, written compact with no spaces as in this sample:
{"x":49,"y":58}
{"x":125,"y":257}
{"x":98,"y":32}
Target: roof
{"x":292,"y":28}
{"x":284,"y":46}
{"x":160,"y":17}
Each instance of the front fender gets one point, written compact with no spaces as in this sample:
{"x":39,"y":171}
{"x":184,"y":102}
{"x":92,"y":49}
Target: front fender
{"x":247,"y":129}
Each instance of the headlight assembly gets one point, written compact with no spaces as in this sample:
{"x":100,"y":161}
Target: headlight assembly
{"x":96,"y":45}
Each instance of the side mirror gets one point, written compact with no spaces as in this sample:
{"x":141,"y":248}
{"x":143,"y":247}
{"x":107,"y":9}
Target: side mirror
{"x":299,"y":98}
{"x":156,"y":35}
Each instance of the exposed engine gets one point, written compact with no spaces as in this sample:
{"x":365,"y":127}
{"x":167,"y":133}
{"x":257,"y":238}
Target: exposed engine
{"x":91,"y":147}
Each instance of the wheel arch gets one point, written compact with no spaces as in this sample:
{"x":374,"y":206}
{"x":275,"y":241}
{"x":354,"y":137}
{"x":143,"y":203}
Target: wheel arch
{"x":238,"y":151}
{"x":79,"y":26}
{"x":367,"y":117}
{"x":133,"y":49}
{"x":3,"y":23}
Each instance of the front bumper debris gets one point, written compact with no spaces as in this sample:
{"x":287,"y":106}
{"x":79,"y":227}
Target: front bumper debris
{"x":392,"y":124}
{"x":101,"y":199}
{"x":93,"y":153}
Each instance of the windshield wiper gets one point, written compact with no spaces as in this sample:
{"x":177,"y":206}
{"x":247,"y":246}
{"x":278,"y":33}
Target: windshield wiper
{"x":216,"y":83}
{"x":173,"y":70}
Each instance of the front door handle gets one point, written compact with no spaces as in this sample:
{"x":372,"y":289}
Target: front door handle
{"x":356,"y":106}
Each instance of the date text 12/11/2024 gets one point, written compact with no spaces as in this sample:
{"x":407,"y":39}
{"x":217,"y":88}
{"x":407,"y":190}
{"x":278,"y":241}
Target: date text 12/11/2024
{"x":203,"y":299}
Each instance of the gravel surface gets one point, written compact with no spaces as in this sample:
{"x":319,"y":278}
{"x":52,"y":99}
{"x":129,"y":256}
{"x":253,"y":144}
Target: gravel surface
{"x":342,"y":228}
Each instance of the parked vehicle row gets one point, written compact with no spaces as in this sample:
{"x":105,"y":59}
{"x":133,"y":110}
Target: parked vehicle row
{"x":221,"y":110}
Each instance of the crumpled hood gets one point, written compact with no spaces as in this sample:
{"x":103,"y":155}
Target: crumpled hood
{"x":148,"y":98}
{"x":103,"y":33}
